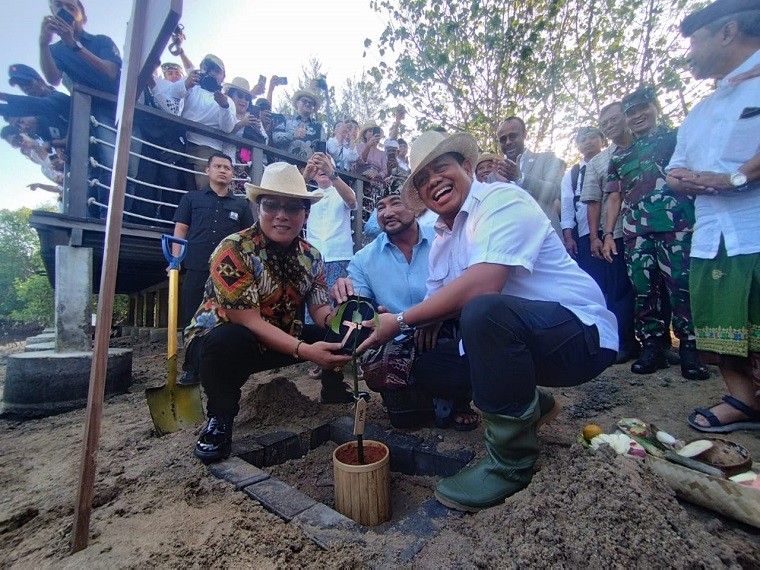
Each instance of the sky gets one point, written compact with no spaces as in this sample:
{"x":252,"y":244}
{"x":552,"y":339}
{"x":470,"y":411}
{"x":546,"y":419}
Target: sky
{"x":252,"y":37}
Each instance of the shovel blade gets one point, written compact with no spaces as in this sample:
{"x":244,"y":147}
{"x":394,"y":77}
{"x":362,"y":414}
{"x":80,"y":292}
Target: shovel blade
{"x":174,"y":407}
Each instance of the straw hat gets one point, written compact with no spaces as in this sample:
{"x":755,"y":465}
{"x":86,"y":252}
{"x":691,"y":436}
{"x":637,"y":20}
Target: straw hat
{"x":282,"y":179}
{"x":307,"y":93}
{"x":215,"y":60}
{"x":364,"y":128}
{"x":239,"y":83}
{"x":487,"y":156}
{"x":426,"y":148}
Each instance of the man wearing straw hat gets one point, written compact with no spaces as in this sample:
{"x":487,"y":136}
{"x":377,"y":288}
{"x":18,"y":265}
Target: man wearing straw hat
{"x":249,"y":318}
{"x":299,"y":132}
{"x":528,"y":315}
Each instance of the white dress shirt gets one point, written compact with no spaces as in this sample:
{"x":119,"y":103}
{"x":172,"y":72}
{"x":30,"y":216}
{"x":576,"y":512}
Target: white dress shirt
{"x":501,"y":223}
{"x":714,"y":138}
{"x":573,"y":213}
{"x":329,"y":227}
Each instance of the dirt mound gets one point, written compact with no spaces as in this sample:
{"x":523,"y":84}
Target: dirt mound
{"x":274,"y":402}
{"x":592,"y":509}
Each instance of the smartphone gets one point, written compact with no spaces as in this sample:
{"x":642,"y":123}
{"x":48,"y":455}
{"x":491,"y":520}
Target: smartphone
{"x":282,"y":81}
{"x":320,"y":146}
{"x":65,"y":16}
{"x":377,"y":131}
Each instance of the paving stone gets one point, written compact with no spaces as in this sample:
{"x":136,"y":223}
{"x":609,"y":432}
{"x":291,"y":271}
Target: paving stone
{"x":419,"y":527}
{"x":280,"y":446}
{"x":324,"y":526}
{"x":248,"y":449}
{"x":319,"y":435}
{"x":342,"y":429}
{"x":238,"y":472}
{"x":429,"y":460}
{"x":279,"y":498}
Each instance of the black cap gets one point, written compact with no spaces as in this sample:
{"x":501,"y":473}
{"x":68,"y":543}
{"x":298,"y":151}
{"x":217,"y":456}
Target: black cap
{"x":23,"y":72}
{"x":642,"y":96}
{"x":715,"y":11}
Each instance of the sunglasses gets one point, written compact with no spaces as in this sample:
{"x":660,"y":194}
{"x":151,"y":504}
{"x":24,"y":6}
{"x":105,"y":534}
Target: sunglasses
{"x":308,"y":102}
{"x":274,"y":206}
{"x":511,"y":136}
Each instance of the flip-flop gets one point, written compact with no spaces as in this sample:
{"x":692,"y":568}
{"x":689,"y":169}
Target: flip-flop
{"x":446,"y":411}
{"x":751,"y":423}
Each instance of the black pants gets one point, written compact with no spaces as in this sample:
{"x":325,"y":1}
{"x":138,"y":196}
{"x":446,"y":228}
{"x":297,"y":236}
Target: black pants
{"x":513,"y":344}
{"x":620,"y":296}
{"x":193,"y":283}
{"x":227,"y":355}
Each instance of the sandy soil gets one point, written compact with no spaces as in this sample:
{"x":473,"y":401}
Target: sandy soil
{"x":155,"y":505}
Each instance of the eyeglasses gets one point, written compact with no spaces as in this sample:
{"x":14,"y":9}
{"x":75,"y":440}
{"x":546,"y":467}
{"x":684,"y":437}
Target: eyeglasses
{"x":274,"y":206}
{"x":310,"y":102}
{"x":511,"y":136}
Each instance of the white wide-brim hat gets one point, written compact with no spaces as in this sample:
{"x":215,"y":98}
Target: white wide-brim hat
{"x":424,"y":150}
{"x":282,"y":179}
{"x":239,"y":83}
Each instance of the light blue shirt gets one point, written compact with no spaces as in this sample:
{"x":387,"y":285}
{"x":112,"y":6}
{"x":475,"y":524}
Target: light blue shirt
{"x":380,"y":271}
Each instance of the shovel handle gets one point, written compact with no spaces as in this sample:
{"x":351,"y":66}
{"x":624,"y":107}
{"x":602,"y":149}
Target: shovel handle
{"x":166,"y":244}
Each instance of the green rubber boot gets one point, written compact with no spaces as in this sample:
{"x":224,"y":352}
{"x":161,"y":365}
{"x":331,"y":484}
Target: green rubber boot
{"x":511,"y":452}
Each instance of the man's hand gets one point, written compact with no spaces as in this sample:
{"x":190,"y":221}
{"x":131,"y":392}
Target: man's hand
{"x":609,"y":251}
{"x":323,"y":162}
{"x":374,"y":140}
{"x":221,"y":100}
{"x":385,"y":331}
{"x":300,"y":132}
{"x":193,"y":78}
{"x":47,"y":30}
{"x":310,"y":171}
{"x":596,"y":247}
{"x":507,"y":170}
{"x":426,"y":337}
{"x":64,"y":31}
{"x":342,"y":289}
{"x":324,"y":354}
{"x":571,"y":246}
{"x":685,"y":180}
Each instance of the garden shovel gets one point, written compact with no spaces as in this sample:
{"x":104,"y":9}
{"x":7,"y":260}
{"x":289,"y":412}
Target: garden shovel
{"x":174,"y":407}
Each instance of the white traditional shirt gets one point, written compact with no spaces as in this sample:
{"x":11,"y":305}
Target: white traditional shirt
{"x":329,"y":227}
{"x":501,"y":223}
{"x":719,"y":135}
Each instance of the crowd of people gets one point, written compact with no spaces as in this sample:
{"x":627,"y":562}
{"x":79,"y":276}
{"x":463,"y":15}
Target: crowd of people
{"x":493,"y":273}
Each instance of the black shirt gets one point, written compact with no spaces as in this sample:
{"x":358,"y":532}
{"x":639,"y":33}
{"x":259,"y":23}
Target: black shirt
{"x":73,"y":64}
{"x":211,"y":219}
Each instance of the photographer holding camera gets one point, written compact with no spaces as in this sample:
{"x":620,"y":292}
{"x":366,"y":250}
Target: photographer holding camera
{"x":205,"y":104}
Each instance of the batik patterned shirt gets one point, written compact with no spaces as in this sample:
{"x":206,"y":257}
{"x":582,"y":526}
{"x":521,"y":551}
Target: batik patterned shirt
{"x":249,"y":271}
{"x":648,"y":204}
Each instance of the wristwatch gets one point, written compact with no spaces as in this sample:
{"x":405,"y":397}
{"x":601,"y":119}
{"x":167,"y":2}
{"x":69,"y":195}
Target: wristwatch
{"x":334,"y":175}
{"x":737,"y":178}
{"x":405,"y":328}
{"x":77,"y":46}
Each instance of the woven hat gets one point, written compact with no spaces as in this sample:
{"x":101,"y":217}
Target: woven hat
{"x":282,"y":179}
{"x":424,"y":150}
{"x":364,"y":128}
{"x":307,"y":93}
{"x":215,"y":60}
{"x":487,"y":156}
{"x":239,"y":83}
{"x":170,"y":65}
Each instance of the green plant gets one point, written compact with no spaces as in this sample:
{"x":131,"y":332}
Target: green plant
{"x":355,"y":324}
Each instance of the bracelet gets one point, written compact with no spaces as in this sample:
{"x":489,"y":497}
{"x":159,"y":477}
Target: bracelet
{"x":295,"y":351}
{"x":327,"y":317}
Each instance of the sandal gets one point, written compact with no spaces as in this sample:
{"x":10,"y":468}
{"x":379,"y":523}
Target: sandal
{"x":315,"y":373}
{"x":446,"y":412}
{"x":751,"y":423}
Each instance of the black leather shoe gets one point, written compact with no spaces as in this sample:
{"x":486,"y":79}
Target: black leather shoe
{"x":188,"y":378}
{"x":691,"y":367}
{"x":215,"y":442}
{"x":651,"y":359}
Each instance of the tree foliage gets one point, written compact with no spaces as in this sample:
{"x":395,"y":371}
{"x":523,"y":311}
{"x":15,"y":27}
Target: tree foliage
{"x":468,"y":65}
{"x":19,"y":259}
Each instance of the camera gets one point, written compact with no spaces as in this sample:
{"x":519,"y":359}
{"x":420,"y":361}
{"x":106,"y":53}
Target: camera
{"x":320,"y":146}
{"x":279,"y":80}
{"x":65,"y":16}
{"x":253,"y":110}
{"x":209,"y":83}
{"x":391,"y":151}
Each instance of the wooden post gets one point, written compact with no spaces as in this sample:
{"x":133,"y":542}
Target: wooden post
{"x":87,"y":468}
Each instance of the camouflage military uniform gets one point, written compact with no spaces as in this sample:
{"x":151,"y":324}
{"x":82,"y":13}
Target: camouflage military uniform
{"x":657,"y":226}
